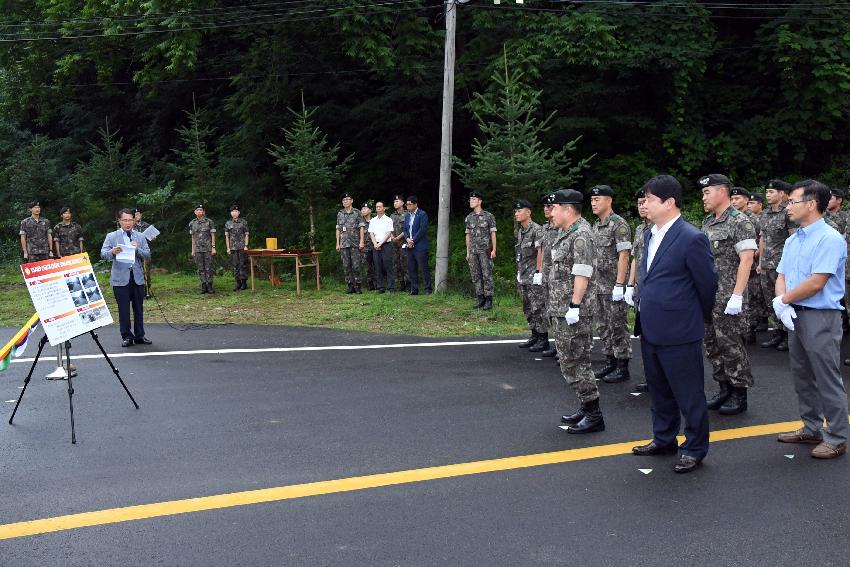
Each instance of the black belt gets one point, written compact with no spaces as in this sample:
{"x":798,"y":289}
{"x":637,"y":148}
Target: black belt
{"x":804,"y":308}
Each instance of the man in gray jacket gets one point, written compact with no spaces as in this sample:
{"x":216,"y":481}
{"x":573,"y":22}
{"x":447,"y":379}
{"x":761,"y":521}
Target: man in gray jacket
{"x":127,"y":278}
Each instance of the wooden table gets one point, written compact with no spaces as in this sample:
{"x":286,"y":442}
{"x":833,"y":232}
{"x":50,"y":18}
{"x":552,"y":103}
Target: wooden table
{"x":311,"y":257}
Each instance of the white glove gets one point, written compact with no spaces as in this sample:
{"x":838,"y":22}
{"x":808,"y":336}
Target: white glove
{"x":572,"y":316}
{"x":537,"y":279}
{"x":784,"y":312}
{"x":629,"y":296}
{"x":734,"y":305}
{"x":518,"y":278}
{"x":617,"y":293}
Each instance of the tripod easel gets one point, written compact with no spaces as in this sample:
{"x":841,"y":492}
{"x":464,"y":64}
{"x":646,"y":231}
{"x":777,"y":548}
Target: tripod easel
{"x":41,"y":344}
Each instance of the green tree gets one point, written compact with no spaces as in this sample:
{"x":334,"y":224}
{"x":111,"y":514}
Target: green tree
{"x":309,"y":164}
{"x":509,"y":160}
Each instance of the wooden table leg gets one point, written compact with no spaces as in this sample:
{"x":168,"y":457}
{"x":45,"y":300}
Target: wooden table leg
{"x":297,"y":274}
{"x":251,"y":262}
{"x":316,"y":261}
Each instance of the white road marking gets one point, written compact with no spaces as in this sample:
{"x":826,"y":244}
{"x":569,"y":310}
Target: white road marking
{"x":645,"y":471}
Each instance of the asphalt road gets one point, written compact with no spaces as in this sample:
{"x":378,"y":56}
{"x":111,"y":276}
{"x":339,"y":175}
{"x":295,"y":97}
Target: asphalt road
{"x":228,"y":422}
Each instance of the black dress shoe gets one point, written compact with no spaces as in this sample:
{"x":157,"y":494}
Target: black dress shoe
{"x":127,"y":342}
{"x":642,"y":387}
{"x":653,"y":448}
{"x":144,"y":341}
{"x":686,"y":464}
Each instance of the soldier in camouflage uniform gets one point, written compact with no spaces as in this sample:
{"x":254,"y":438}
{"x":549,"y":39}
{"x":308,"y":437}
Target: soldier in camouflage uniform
{"x":550,"y":233}
{"x":776,"y":227}
{"x":614,"y":240}
{"x":632,"y":291}
{"x":480,"y":250}
{"x":202,"y":231}
{"x":733,"y":243}
{"x":570,"y":306}
{"x":835,"y":217}
{"x":349,"y":242}
{"x":36,"y":236}
{"x":399,"y":248}
{"x":141,"y":226}
{"x":236,"y":239}
{"x":755,"y":314}
{"x":529,"y":262}
{"x":366,"y":256}
{"x":67,"y":235}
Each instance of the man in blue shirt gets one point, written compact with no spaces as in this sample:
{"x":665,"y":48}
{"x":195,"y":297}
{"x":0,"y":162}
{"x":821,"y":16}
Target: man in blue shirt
{"x":809,"y":289}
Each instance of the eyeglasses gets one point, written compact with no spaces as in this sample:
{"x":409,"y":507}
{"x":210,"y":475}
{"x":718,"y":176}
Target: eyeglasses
{"x":800,"y":201}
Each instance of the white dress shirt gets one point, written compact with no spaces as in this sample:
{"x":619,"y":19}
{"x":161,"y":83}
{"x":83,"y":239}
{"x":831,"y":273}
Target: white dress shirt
{"x":656,"y":238}
{"x":380,"y":226}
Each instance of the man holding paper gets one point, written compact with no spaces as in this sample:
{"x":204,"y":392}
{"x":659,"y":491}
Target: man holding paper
{"x":128,"y":249}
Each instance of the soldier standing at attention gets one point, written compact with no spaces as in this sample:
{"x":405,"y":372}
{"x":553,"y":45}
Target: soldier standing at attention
{"x":613,"y":238}
{"x":236,"y":242}
{"x":733,"y":243}
{"x":141,"y":226}
{"x":67,"y":235}
{"x":571,"y":297}
{"x":550,"y":233}
{"x":399,"y":247}
{"x":631,"y":294}
{"x":758,"y":305}
{"x":349,"y":242}
{"x":775,"y":229}
{"x":834,"y":216}
{"x":36,"y":236}
{"x":529,"y":262}
{"x":366,"y":251}
{"x":480,"y":249}
{"x":202,"y":230}
{"x":755,"y":314}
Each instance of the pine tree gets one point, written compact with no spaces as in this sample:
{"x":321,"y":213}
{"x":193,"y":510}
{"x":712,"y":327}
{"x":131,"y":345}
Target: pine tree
{"x":308,"y":164}
{"x":202,"y":182}
{"x":509,"y":160}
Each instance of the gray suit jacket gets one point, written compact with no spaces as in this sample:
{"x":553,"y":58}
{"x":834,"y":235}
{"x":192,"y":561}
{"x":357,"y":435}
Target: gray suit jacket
{"x":120,"y":275}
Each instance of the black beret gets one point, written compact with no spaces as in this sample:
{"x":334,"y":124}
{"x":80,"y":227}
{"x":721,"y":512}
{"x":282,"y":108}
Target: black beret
{"x":522,"y":204}
{"x":713,"y":179}
{"x":234,"y":207}
{"x":740,"y":191}
{"x":836,"y":192}
{"x":346,"y":195}
{"x":549,"y":199}
{"x":366,"y":205}
{"x":195,"y":209}
{"x":64,"y":210}
{"x":779,"y":185}
{"x":757,"y":198}
{"x":601,"y":191}
{"x":399,"y":197}
{"x":640,"y":193}
{"x":568,"y":197}
{"x":33,"y":204}
{"x":476,"y":194}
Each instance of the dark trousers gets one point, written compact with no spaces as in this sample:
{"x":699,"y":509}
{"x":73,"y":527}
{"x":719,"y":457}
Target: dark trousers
{"x":675,"y":378}
{"x":383,"y":260}
{"x":125,"y":295}
{"x":416,"y":259}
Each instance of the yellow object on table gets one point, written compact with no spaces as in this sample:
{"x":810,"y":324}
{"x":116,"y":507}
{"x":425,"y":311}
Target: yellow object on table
{"x":271,"y":243}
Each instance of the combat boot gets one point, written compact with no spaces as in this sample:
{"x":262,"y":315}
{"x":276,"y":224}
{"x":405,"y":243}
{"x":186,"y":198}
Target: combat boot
{"x":350,"y":289}
{"x":244,"y":284}
{"x":573,"y":418}
{"x":592,"y":420}
{"x":480,"y":303}
{"x":621,"y":374}
{"x":203,"y":289}
{"x":357,"y":288}
{"x":210,"y":288}
{"x":773,"y":341}
{"x":532,"y":340}
{"x":541,"y":344}
{"x":783,"y":344}
{"x":737,"y":402}
{"x":488,"y":302}
{"x":610,"y":366}
{"x":719,"y":398}
{"x":238,"y":286}
{"x":550,"y":352}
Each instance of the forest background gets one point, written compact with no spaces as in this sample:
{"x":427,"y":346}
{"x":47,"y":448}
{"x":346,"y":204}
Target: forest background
{"x":165,"y":103}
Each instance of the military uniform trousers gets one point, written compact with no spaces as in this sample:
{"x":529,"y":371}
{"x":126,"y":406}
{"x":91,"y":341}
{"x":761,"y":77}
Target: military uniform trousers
{"x":351,"y":264}
{"x":534,"y":307}
{"x":400,"y":265}
{"x":724,"y":348}
{"x":37,"y":257}
{"x":573,"y":343}
{"x":204,"y":262}
{"x":756,"y":306}
{"x":481,"y":271}
{"x":767,"y":278}
{"x":367,"y":259}
{"x":239,"y":261}
{"x":612,"y":322}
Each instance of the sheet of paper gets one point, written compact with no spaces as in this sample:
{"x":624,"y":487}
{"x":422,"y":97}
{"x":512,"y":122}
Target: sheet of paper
{"x":127,"y":254}
{"x":150,"y":232}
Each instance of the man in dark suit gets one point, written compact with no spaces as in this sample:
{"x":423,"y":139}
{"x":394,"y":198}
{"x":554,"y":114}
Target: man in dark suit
{"x":416,"y":238}
{"x":676,"y":296}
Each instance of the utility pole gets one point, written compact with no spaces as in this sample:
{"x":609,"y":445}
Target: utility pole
{"x":441,"y":272}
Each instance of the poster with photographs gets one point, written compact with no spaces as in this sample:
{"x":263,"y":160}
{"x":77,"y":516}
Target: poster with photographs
{"x":66,"y":296}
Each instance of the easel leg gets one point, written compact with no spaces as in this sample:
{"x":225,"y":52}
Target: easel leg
{"x":41,"y":344}
{"x":112,"y":366}
{"x":70,"y":390}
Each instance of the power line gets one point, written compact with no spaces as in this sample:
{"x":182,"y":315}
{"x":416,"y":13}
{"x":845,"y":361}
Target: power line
{"x":659,"y":14}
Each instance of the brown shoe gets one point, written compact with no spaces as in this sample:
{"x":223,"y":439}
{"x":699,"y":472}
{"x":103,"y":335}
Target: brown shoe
{"x":800,"y":436}
{"x":827,"y":451}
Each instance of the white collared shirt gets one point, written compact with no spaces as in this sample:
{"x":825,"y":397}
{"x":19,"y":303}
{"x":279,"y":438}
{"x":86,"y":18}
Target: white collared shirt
{"x":656,"y":238}
{"x":380,"y":226}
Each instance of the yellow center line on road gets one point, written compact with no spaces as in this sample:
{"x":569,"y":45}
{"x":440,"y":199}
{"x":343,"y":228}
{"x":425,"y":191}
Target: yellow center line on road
{"x":276,"y":494}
